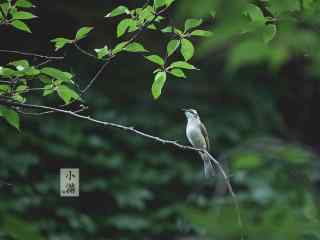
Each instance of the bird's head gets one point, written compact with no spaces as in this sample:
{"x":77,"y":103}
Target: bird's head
{"x":191,"y":114}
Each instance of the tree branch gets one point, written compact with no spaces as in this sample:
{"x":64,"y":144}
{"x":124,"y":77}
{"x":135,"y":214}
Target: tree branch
{"x":31,"y":54}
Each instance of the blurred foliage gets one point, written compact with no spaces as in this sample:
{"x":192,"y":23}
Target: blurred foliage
{"x":131,"y":188}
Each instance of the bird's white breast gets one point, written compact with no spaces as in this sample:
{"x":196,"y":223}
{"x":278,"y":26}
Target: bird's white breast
{"x":194,"y":134}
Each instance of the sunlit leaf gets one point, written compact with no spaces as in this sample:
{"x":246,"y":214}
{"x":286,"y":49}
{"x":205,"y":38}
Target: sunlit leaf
{"x":20,"y":25}
{"x":201,"y":33}
{"x":155,"y":59}
{"x":255,"y":13}
{"x":124,"y":25}
{"x":10,"y":116}
{"x":192,"y":23}
{"x":177,"y":73}
{"x":158,"y":83}
{"x":181,"y":64}
{"x":187,"y":49}
{"x":135,"y":47}
{"x":67,"y":94}
{"x":57,"y":74}
{"x":118,"y":11}
{"x":159,"y":3}
{"x":60,"y":42}
{"x":172,"y":46}
{"x":82,"y":32}
{"x":102,"y":52}
{"x":23,"y":15}
{"x":119,"y":47}
{"x":23,"y":4}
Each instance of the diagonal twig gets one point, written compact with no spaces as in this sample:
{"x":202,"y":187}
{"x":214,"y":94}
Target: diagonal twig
{"x":32,"y":54}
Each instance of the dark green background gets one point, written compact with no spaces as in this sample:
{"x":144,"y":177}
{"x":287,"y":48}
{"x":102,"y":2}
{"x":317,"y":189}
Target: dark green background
{"x":263,"y":123}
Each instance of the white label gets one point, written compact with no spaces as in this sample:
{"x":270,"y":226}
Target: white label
{"x":69,"y":182}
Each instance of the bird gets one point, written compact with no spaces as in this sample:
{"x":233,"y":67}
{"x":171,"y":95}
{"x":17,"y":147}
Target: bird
{"x":198,"y":137}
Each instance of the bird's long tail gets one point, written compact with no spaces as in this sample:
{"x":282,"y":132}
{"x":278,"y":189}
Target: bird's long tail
{"x":209,"y":170}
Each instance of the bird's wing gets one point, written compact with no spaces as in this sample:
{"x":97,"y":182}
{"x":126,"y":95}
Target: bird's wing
{"x":205,"y":134}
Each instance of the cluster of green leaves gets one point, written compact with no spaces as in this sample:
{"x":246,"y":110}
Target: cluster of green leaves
{"x":20,"y":80}
{"x":134,"y":21}
{"x":149,"y":17}
{"x":179,"y":40}
{"x":12,"y":14}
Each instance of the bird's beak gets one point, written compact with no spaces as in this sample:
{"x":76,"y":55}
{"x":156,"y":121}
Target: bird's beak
{"x":184,"y":109}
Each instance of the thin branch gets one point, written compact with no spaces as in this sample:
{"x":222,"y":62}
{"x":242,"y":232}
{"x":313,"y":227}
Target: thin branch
{"x":84,"y":51}
{"x":4,"y":81}
{"x":95,"y":77}
{"x":11,"y":103}
{"x":81,"y":109}
{"x":32,"y":54}
{"x":43,"y":63}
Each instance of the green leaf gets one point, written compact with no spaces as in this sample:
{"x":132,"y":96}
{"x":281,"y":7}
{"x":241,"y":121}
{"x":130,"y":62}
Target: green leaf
{"x":31,"y":71}
{"x":119,"y":47}
{"x":102,"y":52}
{"x":269,"y":32}
{"x":23,"y":4}
{"x":146,"y":14}
{"x":213,"y":14}
{"x":159,"y":3}
{"x":124,"y":25}
{"x":118,"y":11}
{"x":158,"y":83}
{"x":48,"y":89}
{"x":172,"y":46}
{"x":67,"y":94}
{"x":4,"y":88}
{"x":255,"y":13}
{"x":60,"y":42}
{"x":152,"y":27}
{"x":23,"y":15}
{"x":177,"y":73}
{"x":181,"y":64}
{"x":187,"y":49}
{"x":135,"y":47}
{"x":155,"y":59}
{"x":57,"y":74}
{"x":20,"y":63}
{"x":5,"y":8}
{"x":82,"y":32}
{"x":6,"y":72}
{"x":167,"y":29}
{"x":20,"y":25}
{"x":201,"y":33}
{"x":10,"y":116}
{"x":169,"y":2}
{"x":191,"y":23}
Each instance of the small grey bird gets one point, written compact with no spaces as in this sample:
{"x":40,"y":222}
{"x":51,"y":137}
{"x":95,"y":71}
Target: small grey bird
{"x":198,"y":137}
